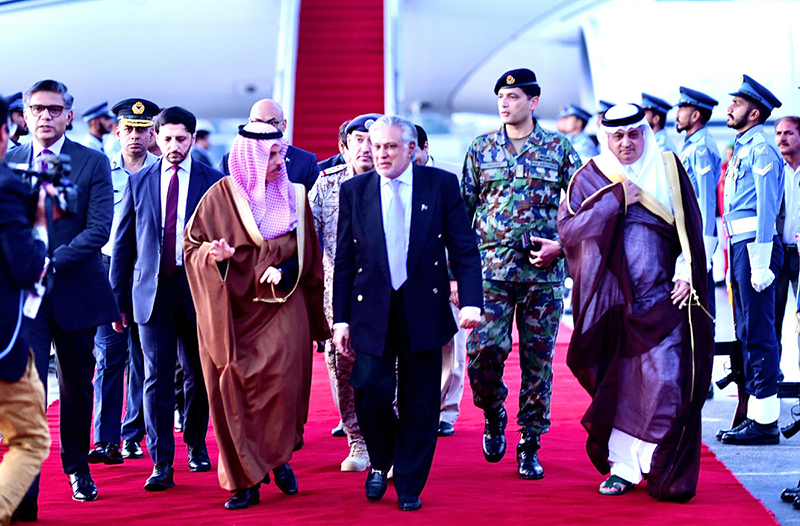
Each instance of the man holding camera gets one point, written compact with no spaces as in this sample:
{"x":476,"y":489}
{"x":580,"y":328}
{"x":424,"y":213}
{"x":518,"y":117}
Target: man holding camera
{"x":78,"y":297}
{"x":512,"y":182}
{"x":23,"y":423}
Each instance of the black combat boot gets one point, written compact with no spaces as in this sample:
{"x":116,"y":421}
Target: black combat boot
{"x":528,"y":465}
{"x":494,"y":438}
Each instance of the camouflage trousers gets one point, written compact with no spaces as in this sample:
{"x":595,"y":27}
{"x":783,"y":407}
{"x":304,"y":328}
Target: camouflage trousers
{"x":538,"y":309}
{"x":339,"y":369}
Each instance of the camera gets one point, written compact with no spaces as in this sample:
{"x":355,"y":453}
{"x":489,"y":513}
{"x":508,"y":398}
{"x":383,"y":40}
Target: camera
{"x":53,"y":169}
{"x":527,"y":244}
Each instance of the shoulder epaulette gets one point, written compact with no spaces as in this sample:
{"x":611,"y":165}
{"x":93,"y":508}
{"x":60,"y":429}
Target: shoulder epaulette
{"x":333,"y":170}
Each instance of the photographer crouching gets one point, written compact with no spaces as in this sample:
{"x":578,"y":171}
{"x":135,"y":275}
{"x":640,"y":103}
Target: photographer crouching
{"x":23,"y":250}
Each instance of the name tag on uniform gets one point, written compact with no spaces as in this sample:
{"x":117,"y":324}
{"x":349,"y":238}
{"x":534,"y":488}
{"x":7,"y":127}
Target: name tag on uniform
{"x":489,"y":166}
{"x":547,"y":165}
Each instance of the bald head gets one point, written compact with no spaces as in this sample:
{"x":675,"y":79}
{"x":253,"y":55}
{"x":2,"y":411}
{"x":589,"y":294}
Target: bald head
{"x":269,"y":111}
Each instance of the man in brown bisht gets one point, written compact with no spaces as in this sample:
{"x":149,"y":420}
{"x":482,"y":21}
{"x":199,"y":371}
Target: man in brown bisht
{"x":643,"y":344}
{"x":255,"y":270}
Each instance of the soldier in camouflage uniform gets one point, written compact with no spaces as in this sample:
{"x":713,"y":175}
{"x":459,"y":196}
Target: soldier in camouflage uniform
{"x":324,"y":201}
{"x":511,"y":187}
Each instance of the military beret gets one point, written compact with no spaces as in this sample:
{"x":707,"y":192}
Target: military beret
{"x":516,"y":78}
{"x":15,"y":102}
{"x":690,"y":97}
{"x":97,"y":111}
{"x":650,"y":102}
{"x":362,"y":123}
{"x":138,"y":113}
{"x":604,"y":105}
{"x":750,"y":89}
{"x":576,"y":111}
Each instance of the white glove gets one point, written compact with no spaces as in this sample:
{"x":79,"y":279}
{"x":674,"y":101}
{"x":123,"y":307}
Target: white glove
{"x":710,"y":243}
{"x":761,"y":276}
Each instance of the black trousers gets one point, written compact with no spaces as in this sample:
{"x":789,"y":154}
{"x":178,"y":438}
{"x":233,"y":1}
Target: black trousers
{"x":75,"y":364}
{"x":407,"y":440}
{"x":169,"y":334}
{"x":787,"y":276}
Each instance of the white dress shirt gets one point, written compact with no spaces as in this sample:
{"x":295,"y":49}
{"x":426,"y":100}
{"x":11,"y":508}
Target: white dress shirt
{"x":184,"y":169}
{"x":55,"y":147}
{"x":405,"y":189}
{"x":791,"y":181}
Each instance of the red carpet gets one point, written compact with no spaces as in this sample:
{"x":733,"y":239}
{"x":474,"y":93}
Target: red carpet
{"x":463,"y":487}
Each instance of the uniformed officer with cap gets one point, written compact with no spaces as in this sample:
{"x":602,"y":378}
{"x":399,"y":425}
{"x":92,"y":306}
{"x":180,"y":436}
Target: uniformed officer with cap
{"x":114,"y":350}
{"x":324,"y":201}
{"x":100,"y":122}
{"x":700,"y":157}
{"x":571,"y":121}
{"x":753,"y":193}
{"x":656,"y":111}
{"x":512,"y":184}
{"x":17,"y":126}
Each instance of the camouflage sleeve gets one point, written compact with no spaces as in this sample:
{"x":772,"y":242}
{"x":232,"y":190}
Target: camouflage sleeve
{"x":470,"y":183}
{"x":315,"y":200}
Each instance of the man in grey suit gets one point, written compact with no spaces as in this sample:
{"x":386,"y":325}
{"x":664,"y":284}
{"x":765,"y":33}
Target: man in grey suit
{"x":78,"y":297}
{"x":148,"y":248}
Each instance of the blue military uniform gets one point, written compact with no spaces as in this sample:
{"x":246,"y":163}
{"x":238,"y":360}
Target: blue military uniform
{"x":581,"y":142}
{"x":114,"y":350}
{"x":700,"y":157}
{"x":660,"y":106}
{"x":510,"y":195}
{"x":753,"y":193}
{"x":90,"y":141}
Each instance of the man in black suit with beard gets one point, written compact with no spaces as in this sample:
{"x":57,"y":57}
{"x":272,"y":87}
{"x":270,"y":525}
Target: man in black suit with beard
{"x":78,"y":297}
{"x":391,"y":295}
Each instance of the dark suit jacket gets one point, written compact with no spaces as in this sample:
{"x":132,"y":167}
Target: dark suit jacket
{"x":21,"y":262}
{"x":77,"y":284}
{"x":301,"y":167}
{"x":137,"y":246}
{"x":362,"y":286}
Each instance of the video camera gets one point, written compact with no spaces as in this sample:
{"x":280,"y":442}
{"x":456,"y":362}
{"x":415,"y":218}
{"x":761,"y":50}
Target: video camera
{"x":53,"y":169}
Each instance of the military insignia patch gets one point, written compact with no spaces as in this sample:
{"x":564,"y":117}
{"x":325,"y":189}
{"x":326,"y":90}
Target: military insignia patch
{"x":510,"y":80}
{"x":138,"y":108}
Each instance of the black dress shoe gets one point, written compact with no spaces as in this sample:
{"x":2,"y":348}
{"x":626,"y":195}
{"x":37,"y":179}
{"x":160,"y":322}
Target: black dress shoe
{"x":83,"y":487}
{"x":408,"y":503}
{"x":338,"y":431}
{"x":243,"y":498}
{"x":446,"y":429}
{"x":375,"y":486}
{"x":161,"y":479}
{"x":754,"y":434}
{"x":27,"y":511}
{"x":198,"y":459}
{"x":742,"y":425}
{"x":528,"y":466}
{"x":790,"y":494}
{"x":494,"y":438}
{"x":105,"y":453}
{"x":131,"y":449}
{"x":285,"y":479}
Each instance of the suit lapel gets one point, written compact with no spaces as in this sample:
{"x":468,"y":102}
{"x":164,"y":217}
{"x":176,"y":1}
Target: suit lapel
{"x":372,"y":219}
{"x":422,"y":209}
{"x":77,"y":158}
{"x":152,"y":185}
{"x":196,"y":184}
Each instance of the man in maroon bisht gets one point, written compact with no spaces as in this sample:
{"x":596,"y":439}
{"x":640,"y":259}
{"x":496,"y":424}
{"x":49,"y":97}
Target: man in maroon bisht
{"x":642,"y":344}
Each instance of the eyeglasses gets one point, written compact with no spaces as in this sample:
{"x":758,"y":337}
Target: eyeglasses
{"x":38,"y":109}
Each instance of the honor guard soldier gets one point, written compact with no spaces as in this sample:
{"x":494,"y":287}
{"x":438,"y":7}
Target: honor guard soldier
{"x":512,"y":184}
{"x":656,"y":111}
{"x":573,"y":120}
{"x":700,"y":157}
{"x":100,"y":122}
{"x":112,"y":349}
{"x":753,"y":193}
{"x":16,"y":120}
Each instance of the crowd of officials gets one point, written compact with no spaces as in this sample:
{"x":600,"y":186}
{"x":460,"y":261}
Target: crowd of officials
{"x":161,"y":279}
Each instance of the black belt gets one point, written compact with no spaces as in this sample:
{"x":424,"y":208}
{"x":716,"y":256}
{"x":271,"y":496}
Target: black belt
{"x":793,"y":248}
{"x":106,"y":259}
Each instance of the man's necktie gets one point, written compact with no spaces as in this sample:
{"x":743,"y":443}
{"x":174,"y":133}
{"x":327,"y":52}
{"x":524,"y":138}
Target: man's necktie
{"x":395,"y":232}
{"x":170,"y":226}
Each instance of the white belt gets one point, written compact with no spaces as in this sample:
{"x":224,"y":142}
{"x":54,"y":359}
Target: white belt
{"x":742,"y":226}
